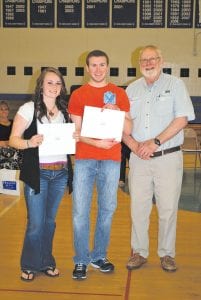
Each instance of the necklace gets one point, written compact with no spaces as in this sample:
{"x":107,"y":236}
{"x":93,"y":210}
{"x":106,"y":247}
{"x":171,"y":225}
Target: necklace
{"x":50,"y":112}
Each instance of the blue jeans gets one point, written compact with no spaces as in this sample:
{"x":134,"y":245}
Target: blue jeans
{"x":41,"y":213}
{"x":106,"y":174}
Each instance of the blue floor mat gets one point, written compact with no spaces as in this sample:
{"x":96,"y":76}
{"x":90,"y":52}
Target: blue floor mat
{"x":191,"y":190}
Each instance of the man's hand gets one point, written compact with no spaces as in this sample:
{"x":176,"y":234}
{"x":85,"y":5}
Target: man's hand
{"x":146,"y":149}
{"x":105,"y":143}
{"x":76,"y":135}
{"x":110,"y":106}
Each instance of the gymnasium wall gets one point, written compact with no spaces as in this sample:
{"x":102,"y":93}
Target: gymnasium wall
{"x":23,"y":48}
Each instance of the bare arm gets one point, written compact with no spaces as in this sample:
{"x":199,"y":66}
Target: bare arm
{"x":175,"y":126}
{"x":104,"y":143}
{"x":130,"y":142}
{"x":127,"y":124}
{"x":16,"y":138}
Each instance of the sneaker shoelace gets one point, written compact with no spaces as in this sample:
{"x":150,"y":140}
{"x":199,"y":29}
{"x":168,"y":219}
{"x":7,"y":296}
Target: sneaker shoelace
{"x":105,"y":261}
{"x":79,"y":267}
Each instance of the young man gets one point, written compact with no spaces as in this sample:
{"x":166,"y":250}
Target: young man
{"x":160,"y":108}
{"x":96,"y":160}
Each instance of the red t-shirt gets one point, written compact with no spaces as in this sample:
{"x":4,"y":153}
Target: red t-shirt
{"x":88,"y":95}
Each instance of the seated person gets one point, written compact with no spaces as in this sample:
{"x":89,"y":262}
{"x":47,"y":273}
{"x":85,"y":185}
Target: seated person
{"x":10,"y":158}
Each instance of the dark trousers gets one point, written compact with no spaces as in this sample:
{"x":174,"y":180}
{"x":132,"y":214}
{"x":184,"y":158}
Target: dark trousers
{"x":125,"y":155}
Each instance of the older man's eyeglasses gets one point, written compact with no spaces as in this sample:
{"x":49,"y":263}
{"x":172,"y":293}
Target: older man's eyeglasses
{"x":151,"y":60}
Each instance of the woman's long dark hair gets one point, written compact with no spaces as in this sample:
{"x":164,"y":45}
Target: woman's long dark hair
{"x":61,"y":100}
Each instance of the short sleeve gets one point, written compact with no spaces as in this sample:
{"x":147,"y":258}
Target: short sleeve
{"x":26,"y":111}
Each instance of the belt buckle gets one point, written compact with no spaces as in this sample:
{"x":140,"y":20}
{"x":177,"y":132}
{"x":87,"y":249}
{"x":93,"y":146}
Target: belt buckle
{"x":162,"y":152}
{"x":58,"y":167}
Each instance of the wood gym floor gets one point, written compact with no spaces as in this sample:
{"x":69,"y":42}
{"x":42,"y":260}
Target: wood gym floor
{"x":148,"y":283}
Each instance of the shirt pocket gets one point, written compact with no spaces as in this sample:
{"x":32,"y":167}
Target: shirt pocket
{"x":164,"y":105}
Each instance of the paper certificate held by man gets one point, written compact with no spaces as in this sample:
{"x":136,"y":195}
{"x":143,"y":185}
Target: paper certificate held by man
{"x":102,"y":123}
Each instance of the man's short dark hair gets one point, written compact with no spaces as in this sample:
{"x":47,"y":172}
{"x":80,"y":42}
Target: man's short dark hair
{"x":96,"y":53}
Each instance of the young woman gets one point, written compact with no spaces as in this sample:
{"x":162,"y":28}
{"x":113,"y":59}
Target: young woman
{"x":45,"y":177}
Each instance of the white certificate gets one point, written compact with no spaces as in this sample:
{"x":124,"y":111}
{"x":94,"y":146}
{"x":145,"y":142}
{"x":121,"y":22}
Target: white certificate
{"x":57,"y":139}
{"x":102,"y":124}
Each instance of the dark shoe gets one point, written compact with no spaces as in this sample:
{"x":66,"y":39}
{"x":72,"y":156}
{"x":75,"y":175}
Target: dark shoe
{"x":103,"y":265}
{"x":50,"y":271}
{"x":80,"y":271}
{"x":29,"y":275}
{"x":136,"y":261}
{"x":168,"y":263}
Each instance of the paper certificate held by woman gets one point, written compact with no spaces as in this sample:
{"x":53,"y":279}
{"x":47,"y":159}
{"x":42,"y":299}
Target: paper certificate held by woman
{"x":58,"y":138}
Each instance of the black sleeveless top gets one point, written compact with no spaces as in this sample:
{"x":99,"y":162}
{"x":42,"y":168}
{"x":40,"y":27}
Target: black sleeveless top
{"x":30,"y":170}
{"x":5,"y":131}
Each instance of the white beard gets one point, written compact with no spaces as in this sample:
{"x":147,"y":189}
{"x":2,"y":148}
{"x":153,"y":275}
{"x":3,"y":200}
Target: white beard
{"x":150,"y":74}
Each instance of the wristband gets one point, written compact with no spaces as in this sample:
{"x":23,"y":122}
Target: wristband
{"x":27,"y":144}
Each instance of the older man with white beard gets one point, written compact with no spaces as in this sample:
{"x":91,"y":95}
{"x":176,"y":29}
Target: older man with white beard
{"x":160,"y":109}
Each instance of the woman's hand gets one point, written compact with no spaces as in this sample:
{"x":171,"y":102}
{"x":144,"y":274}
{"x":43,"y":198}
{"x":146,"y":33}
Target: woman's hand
{"x":35,"y":141}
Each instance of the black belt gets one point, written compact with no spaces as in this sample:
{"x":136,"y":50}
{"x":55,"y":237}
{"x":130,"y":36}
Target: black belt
{"x":166,"y":151}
